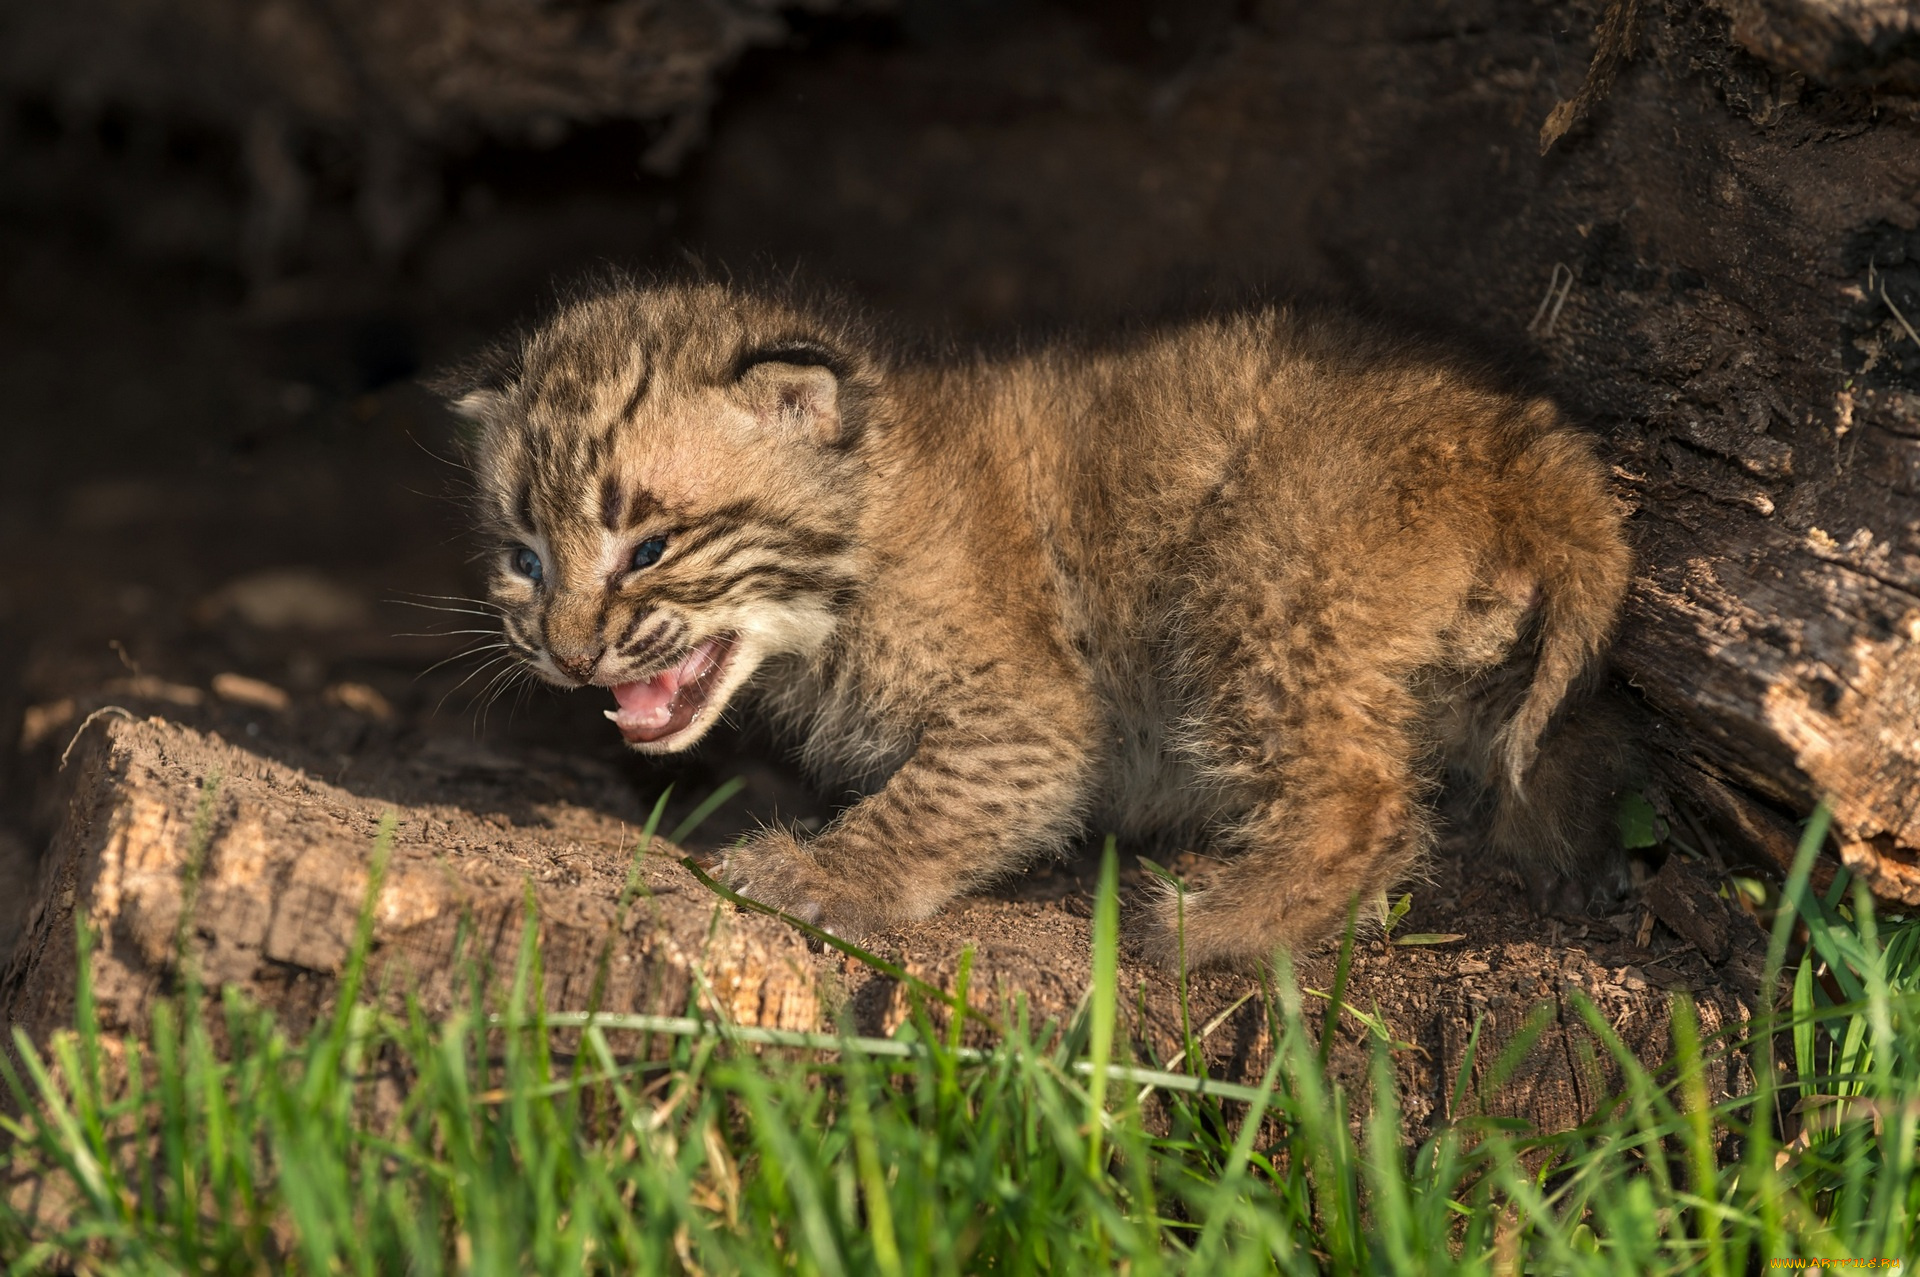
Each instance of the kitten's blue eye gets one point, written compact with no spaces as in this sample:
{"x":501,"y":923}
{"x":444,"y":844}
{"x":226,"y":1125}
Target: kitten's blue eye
{"x":527,"y":564}
{"x":648,"y":552}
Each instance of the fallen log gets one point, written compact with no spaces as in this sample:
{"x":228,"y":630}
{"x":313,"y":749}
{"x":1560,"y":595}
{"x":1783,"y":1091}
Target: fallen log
{"x":1718,"y":265}
{"x":1751,"y":322}
{"x":1721,"y":270}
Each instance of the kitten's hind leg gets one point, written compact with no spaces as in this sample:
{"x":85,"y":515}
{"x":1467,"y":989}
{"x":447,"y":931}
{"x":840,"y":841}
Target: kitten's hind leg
{"x":1339,"y":822}
{"x":1559,"y":829}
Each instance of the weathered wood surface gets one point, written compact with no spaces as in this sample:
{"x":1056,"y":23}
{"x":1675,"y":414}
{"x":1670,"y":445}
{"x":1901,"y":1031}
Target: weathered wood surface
{"x":1771,"y":438}
{"x":1799,"y":675}
{"x":273,"y":891}
{"x":1765,"y":397}
{"x":276,"y":875}
{"x":1873,"y":44}
{"x":1729,"y":257}
{"x":436,"y":71}
{"x":1745,"y":272}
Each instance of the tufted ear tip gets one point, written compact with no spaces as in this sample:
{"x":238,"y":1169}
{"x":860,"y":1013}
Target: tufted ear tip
{"x":482,"y":407}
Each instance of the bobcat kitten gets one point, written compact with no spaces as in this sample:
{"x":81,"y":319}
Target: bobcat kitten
{"x":1253,"y":581}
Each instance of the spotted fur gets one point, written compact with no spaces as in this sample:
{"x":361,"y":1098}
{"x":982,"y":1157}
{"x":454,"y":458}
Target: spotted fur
{"x":1248,"y":583}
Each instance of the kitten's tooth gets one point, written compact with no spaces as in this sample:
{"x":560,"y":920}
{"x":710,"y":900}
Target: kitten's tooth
{"x":613,"y":714}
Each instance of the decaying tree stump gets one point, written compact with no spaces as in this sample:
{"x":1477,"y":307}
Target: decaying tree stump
{"x":173,"y":842}
{"x":1717,"y":263}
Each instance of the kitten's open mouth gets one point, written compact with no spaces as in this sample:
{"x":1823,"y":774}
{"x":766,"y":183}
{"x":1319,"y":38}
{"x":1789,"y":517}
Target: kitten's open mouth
{"x":653,"y":709}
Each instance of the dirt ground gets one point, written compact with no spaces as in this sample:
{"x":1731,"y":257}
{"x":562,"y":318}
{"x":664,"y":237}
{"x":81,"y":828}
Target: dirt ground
{"x":231,"y":505}
{"x":241,"y":854}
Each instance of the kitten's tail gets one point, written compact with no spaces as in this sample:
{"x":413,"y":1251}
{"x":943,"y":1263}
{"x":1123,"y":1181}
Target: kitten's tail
{"x":1572,"y":548}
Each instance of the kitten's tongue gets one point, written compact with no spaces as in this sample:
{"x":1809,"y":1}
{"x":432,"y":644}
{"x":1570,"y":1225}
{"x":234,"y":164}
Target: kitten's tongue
{"x":658,"y":707}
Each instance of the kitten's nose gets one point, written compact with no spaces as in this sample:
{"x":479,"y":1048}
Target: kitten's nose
{"x":578,"y":666}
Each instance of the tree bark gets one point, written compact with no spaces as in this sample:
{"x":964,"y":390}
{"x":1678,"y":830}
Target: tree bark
{"x":1774,"y":449}
{"x":1722,"y":266}
{"x":1871,"y":44}
{"x":174,"y":848}
{"x":1721,"y":261}
{"x":1798,"y":675}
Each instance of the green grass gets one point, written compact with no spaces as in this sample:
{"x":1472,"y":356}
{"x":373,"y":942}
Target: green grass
{"x":513,"y":1142}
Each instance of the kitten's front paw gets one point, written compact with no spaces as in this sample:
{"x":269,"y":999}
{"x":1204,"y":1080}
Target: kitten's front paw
{"x":777,"y":871}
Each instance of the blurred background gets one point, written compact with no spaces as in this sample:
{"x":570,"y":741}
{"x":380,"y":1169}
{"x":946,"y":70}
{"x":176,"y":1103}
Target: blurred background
{"x":234,"y":232}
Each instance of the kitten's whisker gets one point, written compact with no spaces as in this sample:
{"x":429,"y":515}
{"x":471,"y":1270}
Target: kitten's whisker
{"x":468,"y":679}
{"x":441,"y":633}
{"x":476,"y":672}
{"x":453,"y":462}
{"x":450,"y":611}
{"x":499,"y":683}
{"x":435,"y":602}
{"x":408,"y":595}
{"x":476,"y":650}
{"x":520,"y":696}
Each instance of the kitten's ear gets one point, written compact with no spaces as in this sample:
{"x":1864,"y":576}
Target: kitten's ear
{"x":477,"y":390}
{"x":794,"y":389}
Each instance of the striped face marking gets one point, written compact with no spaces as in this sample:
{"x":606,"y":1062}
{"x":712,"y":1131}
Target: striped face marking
{"x":671,"y":610}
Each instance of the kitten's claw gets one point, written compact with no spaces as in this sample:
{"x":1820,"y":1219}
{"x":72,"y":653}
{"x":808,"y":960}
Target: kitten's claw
{"x":776,"y":871}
